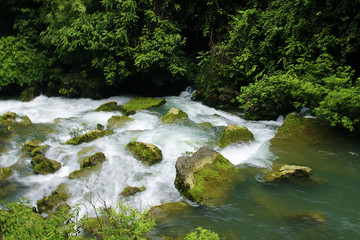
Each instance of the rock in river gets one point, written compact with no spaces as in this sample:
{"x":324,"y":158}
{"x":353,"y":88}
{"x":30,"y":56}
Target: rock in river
{"x":206,"y":177}
{"x":235,"y":134}
{"x":145,"y":152}
{"x":143,"y":103}
{"x":287,"y":173}
{"x":174,"y":115}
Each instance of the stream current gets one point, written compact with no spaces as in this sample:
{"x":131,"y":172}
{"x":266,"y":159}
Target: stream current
{"x":254,"y":210}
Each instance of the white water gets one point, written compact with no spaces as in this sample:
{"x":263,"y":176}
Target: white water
{"x":121,"y":169}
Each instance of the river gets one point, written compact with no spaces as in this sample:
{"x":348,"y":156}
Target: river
{"x":254,"y":210}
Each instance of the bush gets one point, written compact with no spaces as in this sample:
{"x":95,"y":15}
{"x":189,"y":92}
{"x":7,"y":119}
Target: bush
{"x":20,"y":63}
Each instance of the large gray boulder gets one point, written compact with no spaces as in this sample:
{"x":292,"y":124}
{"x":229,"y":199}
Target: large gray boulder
{"x":206,"y":177}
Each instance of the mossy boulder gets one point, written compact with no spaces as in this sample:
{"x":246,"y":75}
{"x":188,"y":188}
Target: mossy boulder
{"x":169,"y":210}
{"x":143,"y":103}
{"x":39,"y":150}
{"x":174,"y":115}
{"x":29,"y":146}
{"x":118,"y":121}
{"x":11,"y":118}
{"x":51,"y":203}
{"x":5,"y":174}
{"x":234,"y":134}
{"x":305,"y":131}
{"x":206,"y":177}
{"x":282,"y":172}
{"x":94,"y":160}
{"x":89,"y":136}
{"x":47,"y":166}
{"x":29,"y":94}
{"x":145,"y":152}
{"x":89,"y":165}
{"x":108,"y":107}
{"x":130,"y":191}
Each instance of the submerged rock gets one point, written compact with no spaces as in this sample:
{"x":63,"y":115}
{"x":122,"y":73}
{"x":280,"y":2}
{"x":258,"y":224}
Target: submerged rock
{"x":89,"y":136}
{"x":108,"y":107}
{"x":129,"y":191}
{"x":168,"y":210}
{"x":145,"y":152}
{"x":51,"y":203}
{"x":143,"y":103}
{"x":174,"y":115}
{"x":5,"y":174}
{"x":89,"y":165}
{"x":118,"y":121}
{"x":46,"y":166}
{"x":234,"y":134}
{"x":42,"y":165}
{"x":311,"y":218}
{"x":287,"y":173}
{"x":206,"y":177}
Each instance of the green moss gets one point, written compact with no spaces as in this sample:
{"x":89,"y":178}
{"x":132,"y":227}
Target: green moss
{"x":129,"y":191}
{"x":141,"y":104}
{"x":234,"y":134}
{"x":39,"y":150}
{"x":118,"y":121}
{"x":82,"y":173}
{"x":214,"y":181}
{"x":57,"y":198}
{"x":89,"y":136}
{"x":47,"y":166}
{"x":174,"y":115}
{"x":88,"y":166}
{"x":94,"y":160}
{"x":145,"y":152}
{"x":29,"y":146}
{"x":304,"y":131}
{"x":108,"y":107}
{"x":5,"y":173}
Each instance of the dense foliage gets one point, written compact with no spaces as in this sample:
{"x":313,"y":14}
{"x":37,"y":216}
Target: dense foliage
{"x":265,"y":57}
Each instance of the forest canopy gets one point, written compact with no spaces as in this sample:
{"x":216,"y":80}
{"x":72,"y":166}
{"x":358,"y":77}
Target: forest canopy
{"x":265,"y":58}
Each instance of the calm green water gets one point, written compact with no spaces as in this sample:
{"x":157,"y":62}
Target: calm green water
{"x":264,"y":211}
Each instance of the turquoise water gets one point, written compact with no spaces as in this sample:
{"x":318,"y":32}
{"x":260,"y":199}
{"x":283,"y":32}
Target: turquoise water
{"x":254,"y":210}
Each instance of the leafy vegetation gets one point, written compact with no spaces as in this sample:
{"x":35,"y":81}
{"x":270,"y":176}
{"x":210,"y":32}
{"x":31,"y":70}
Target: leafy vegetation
{"x":264,"y":57}
{"x":19,"y":221}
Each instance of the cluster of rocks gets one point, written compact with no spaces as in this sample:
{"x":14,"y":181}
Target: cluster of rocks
{"x":206,"y":177}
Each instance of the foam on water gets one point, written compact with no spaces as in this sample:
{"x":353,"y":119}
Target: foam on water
{"x":122,"y":169}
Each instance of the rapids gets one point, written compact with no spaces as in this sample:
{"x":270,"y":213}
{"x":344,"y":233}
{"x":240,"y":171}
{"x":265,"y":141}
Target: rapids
{"x":242,"y":217}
